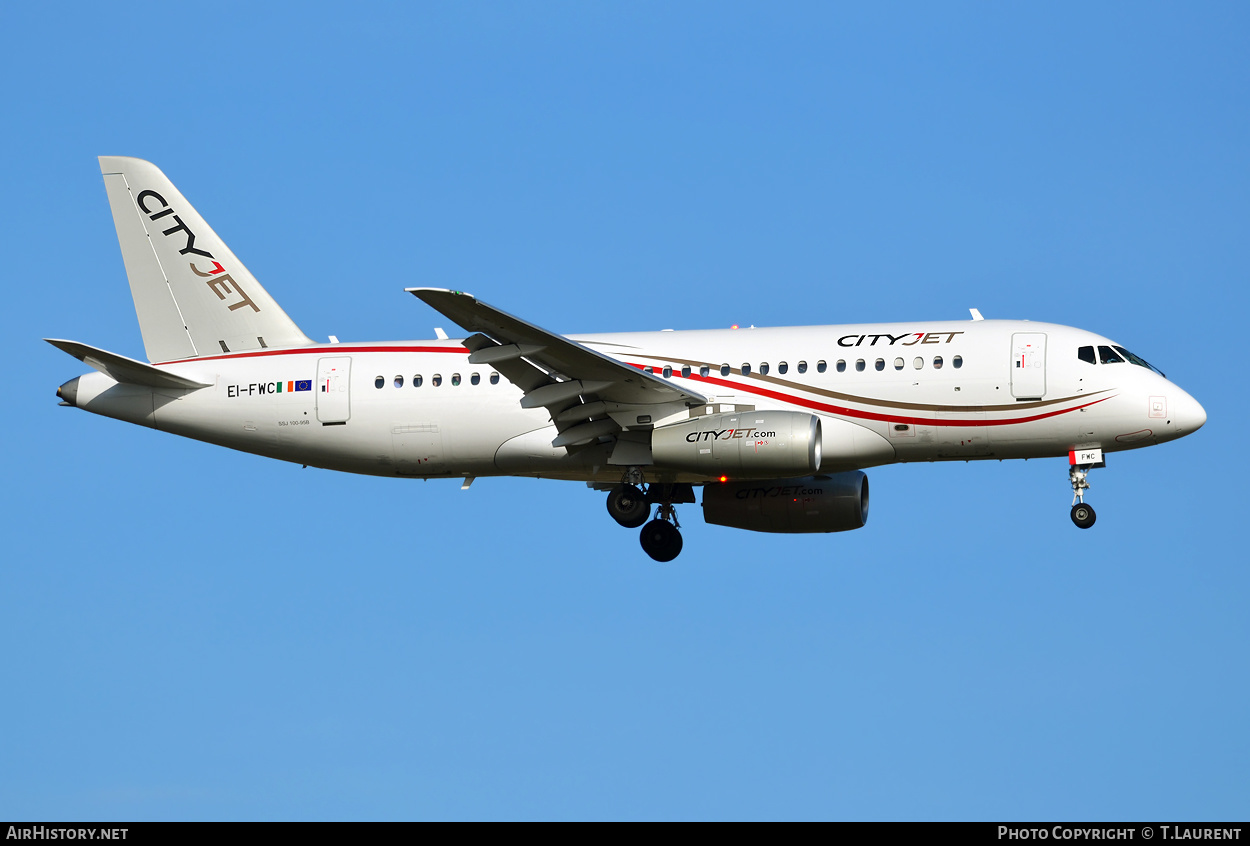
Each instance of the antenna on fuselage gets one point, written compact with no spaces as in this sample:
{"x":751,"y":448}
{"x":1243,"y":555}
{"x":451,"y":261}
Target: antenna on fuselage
{"x":976,"y":314}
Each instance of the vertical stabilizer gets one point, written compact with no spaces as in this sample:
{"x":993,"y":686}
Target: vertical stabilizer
{"x":193,"y":297}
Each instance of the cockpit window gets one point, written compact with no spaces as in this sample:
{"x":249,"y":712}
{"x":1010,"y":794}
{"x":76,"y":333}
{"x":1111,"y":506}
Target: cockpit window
{"x":1138,"y":360}
{"x":1086,"y":354}
{"x":1107,"y":356}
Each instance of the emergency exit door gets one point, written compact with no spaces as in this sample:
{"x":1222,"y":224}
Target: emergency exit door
{"x":334,"y":389}
{"x":1028,"y":365}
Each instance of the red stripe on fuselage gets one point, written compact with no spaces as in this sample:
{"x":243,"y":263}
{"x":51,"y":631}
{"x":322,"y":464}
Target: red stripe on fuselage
{"x":790,"y":399}
{"x":843,"y":411}
{"x":335,"y":350}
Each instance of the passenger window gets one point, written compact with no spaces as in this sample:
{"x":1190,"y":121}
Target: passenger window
{"x":379,"y":382}
{"x":841,"y":365}
{"x":399,"y":381}
{"x":802,"y":366}
{"x":746,"y":369}
{"x":704,"y":370}
{"x":1086,"y":354}
{"x":1109,"y":356}
{"x":724,"y":370}
{"x":937,"y":362}
{"x":476,"y":379}
{"x":650,"y":370}
{"x":494,"y":378}
{"x":455,"y":380}
{"x":898,"y":364}
{"x":821,"y":366}
{"x":782,"y":367}
{"x":436,"y":379}
{"x":880,"y":364}
{"x":416,"y":381}
{"x":859,"y":365}
{"x":764,"y":369}
{"x":917,"y":362}
{"x":668,"y":372}
{"x":685,"y":371}
{"x":957,"y":361}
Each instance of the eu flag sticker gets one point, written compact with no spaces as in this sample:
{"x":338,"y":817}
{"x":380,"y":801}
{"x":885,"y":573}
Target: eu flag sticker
{"x":303,"y":385}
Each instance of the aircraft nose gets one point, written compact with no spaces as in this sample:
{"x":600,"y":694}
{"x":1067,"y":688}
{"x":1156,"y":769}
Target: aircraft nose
{"x":1189,"y":415}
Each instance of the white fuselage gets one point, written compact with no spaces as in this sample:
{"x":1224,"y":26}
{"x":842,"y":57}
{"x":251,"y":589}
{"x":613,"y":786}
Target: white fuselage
{"x":885,"y":393}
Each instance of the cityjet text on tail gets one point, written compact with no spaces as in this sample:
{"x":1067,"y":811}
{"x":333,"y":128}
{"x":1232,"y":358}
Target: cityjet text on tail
{"x":775,"y":425}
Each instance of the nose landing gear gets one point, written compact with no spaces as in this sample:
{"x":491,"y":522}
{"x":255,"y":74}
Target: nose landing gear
{"x":1082,"y":513}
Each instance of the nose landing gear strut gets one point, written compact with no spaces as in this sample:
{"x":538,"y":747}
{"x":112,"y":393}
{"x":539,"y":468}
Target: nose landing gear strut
{"x":1082,"y":461}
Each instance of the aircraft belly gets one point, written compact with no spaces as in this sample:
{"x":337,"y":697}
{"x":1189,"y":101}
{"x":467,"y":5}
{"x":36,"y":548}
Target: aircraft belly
{"x":532,"y":454}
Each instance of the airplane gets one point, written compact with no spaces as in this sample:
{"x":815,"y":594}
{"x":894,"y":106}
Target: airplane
{"x":776,"y":425}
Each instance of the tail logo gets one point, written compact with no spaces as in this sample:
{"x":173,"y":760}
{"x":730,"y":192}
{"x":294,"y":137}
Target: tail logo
{"x":220,"y":282}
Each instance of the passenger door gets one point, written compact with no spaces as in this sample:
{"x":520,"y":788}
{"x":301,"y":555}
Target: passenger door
{"x":334,"y":390}
{"x":1028,"y":365}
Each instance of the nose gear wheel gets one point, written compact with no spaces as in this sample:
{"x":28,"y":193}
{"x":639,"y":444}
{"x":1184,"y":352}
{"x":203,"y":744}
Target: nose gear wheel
{"x":1082,"y":514}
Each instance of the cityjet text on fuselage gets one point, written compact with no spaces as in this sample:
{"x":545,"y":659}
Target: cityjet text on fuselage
{"x":891,"y":340}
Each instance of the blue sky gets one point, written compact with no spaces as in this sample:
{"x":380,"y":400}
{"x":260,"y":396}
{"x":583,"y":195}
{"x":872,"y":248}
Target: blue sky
{"x":189,"y":632}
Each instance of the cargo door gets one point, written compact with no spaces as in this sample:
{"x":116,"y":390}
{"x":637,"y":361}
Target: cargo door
{"x":418,"y":449}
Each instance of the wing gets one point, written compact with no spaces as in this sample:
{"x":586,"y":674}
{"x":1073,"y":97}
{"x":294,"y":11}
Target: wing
{"x":588,"y":393}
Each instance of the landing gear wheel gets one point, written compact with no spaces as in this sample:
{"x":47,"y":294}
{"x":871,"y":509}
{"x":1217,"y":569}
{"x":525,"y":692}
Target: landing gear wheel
{"x":661,"y":540}
{"x":628,"y":506}
{"x":1083,"y":515}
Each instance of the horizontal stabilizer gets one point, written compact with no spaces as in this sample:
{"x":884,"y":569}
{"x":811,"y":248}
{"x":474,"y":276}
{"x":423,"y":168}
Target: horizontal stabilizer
{"x":126,"y":370}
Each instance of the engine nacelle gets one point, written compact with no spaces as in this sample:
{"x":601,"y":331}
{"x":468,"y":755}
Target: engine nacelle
{"x":834,"y":503}
{"x":749,"y":443}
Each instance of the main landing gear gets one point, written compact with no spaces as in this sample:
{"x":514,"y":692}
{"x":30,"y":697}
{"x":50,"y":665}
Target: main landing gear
{"x":660,"y":538}
{"x":1082,"y":513}
{"x":630,"y":505}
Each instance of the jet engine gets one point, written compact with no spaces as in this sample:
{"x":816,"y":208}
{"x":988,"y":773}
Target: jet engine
{"x":750,"y":443}
{"x":834,"y":503}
